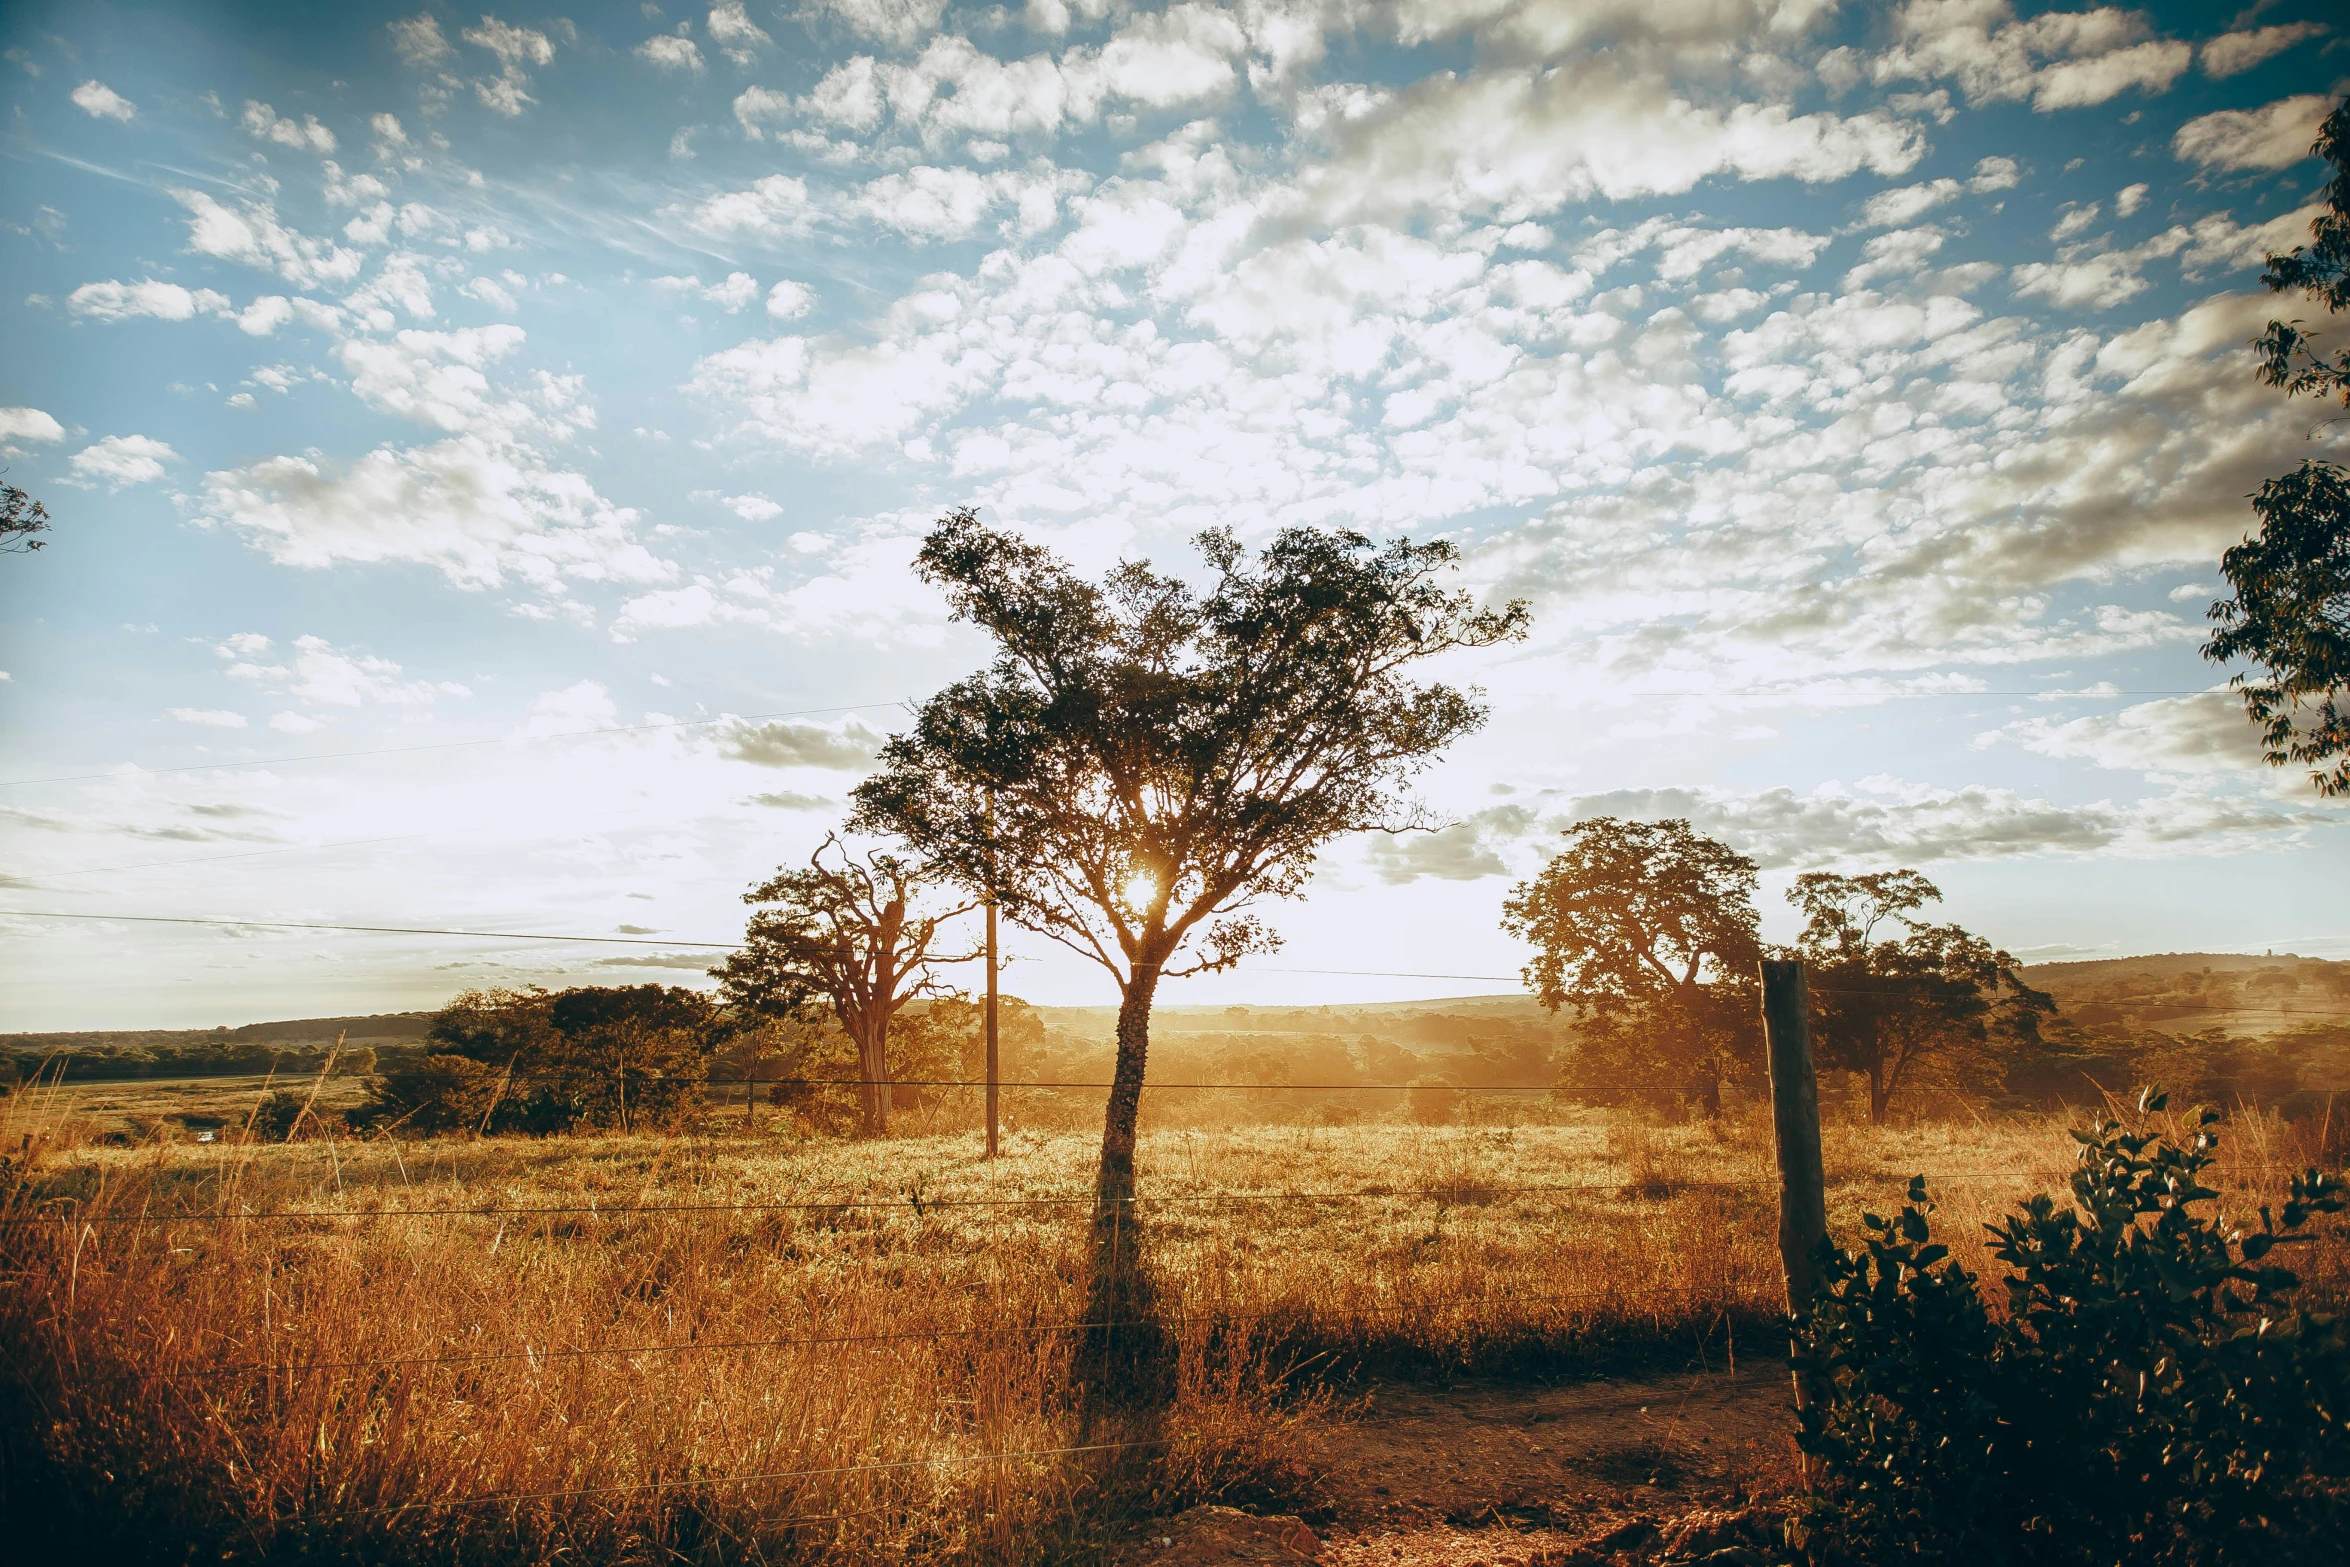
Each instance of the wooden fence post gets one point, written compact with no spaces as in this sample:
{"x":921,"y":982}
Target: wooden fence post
{"x":993,"y":1063}
{"x":1795,"y":1119}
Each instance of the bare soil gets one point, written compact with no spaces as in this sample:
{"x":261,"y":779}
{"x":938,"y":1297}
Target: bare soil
{"x":1515,"y":1475}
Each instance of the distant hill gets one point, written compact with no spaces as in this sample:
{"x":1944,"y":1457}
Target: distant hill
{"x":383,"y":1028}
{"x":2258,"y":992}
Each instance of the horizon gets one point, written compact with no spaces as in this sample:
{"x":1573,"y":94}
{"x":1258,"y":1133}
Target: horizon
{"x":487,"y":455}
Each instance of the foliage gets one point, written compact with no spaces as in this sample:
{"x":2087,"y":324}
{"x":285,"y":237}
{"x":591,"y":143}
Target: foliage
{"x":846,"y":935}
{"x":286,"y":1114}
{"x":1651,"y":930}
{"x":441,"y":1093}
{"x":2150,"y":1393}
{"x":1142,"y":761}
{"x":527,"y":1060}
{"x":2291,"y":610}
{"x":2291,"y":616}
{"x":2319,"y":269}
{"x":1892,"y":1008}
{"x":21,"y":519}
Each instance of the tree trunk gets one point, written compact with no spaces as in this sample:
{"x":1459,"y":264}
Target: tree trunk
{"x":1880,"y":1095}
{"x":873,"y":1067}
{"x":1114,"y":1192}
{"x":1710,"y":1096}
{"x":1126,"y":1359}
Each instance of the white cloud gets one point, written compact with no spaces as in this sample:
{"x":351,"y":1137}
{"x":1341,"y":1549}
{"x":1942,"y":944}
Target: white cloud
{"x":27,"y":424}
{"x":2207,"y":733}
{"x":670,"y":52}
{"x":262,"y":121}
{"x":419,"y":41}
{"x":517,"y":48}
{"x":208,"y":717}
{"x":2274,"y":137}
{"x":2231,"y":54}
{"x":2058,"y":59}
{"x":97,"y":99}
{"x":475,"y":510}
{"x":732,"y":29}
{"x":112,"y":301}
{"x":1514,"y":145}
{"x":753,"y":508}
{"x":1892,"y":208}
{"x":788,"y":301}
{"x":2099,"y":280}
{"x":251,"y":234}
{"x":737,"y":292}
{"x":849,"y":746}
{"x":898,"y":22}
{"x":121,"y":460}
{"x":438,"y":379}
{"x":775,"y":206}
{"x":2129,"y":199}
{"x":292,"y":723}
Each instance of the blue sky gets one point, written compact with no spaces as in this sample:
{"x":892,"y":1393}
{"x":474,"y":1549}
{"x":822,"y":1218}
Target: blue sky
{"x":1858,"y":393}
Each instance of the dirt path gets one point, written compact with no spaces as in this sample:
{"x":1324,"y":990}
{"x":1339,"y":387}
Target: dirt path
{"x":1511,"y":1475}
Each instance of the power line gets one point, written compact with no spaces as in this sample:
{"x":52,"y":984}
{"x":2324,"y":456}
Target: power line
{"x":379,"y":930}
{"x":453,"y":745}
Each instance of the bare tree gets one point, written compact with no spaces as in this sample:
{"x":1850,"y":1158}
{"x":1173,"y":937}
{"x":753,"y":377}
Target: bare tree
{"x":1159,"y":758}
{"x":845,"y":934}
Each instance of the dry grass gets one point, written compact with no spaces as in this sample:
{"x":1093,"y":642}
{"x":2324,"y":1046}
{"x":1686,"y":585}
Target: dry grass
{"x":916,"y":1333}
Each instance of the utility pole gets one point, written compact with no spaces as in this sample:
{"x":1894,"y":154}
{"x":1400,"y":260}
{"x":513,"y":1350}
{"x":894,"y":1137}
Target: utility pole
{"x":993,"y":1064}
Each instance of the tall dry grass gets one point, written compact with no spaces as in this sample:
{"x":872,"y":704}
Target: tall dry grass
{"x":592,"y":1379}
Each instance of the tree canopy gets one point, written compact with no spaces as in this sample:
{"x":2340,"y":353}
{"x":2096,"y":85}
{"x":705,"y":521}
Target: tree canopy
{"x":1891,"y":1007}
{"x":1143,"y":760}
{"x":1650,"y":930}
{"x":2290,"y":613}
{"x":846,"y":933}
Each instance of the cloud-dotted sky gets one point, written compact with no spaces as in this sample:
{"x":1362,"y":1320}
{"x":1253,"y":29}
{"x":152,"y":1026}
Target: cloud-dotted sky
{"x":502,"y":437}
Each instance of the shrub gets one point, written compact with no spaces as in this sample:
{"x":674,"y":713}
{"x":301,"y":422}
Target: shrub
{"x":442,"y":1094}
{"x":1431,"y":1101}
{"x":2150,"y":1394}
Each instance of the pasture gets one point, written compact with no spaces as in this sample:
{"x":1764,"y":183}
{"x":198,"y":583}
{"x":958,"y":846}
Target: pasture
{"x":743,"y":1344}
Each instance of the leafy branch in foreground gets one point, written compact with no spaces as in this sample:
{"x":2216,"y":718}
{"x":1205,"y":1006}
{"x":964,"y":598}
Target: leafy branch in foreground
{"x":2291,"y":610}
{"x":21,"y":518}
{"x":2152,"y":1394}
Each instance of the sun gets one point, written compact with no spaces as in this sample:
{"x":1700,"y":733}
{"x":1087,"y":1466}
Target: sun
{"x":1141,"y":888}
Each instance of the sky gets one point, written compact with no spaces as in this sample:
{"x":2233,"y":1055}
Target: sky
{"x":487,"y":450}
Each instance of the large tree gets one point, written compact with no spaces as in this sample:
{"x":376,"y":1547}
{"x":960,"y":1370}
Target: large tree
{"x":845,"y":931}
{"x":1649,"y":930}
{"x":1143,"y":760}
{"x":1891,"y":1006}
{"x":2290,"y":613}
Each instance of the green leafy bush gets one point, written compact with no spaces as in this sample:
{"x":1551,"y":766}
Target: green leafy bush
{"x":2150,"y":1394}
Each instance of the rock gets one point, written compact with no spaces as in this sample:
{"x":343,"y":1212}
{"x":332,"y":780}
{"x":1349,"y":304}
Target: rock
{"x":1224,"y":1534}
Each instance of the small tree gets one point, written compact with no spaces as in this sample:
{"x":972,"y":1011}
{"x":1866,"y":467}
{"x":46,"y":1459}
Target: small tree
{"x":846,"y":933}
{"x":2291,"y":610}
{"x":1650,"y":930}
{"x":1144,"y":760}
{"x":1887,"y":1008}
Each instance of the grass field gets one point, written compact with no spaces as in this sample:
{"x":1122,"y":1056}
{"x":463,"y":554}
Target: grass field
{"x":501,"y":1350}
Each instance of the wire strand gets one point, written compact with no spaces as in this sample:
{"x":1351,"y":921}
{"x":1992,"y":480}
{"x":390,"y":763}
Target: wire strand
{"x":454,"y":745}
